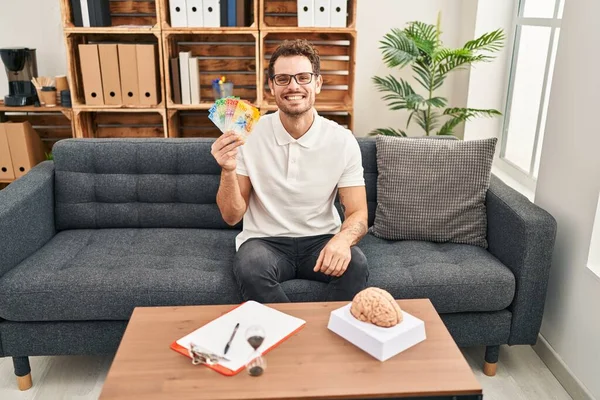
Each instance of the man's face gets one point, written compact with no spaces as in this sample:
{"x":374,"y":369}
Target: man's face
{"x":295,"y":99}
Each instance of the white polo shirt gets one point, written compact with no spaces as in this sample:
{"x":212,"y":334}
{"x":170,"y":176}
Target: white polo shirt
{"x":294,"y":182}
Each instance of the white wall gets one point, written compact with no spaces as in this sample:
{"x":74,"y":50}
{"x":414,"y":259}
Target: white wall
{"x":34,"y":24}
{"x":374,"y":20}
{"x":568,"y":186}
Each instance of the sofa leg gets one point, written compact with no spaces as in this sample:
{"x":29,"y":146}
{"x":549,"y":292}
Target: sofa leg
{"x":23,"y":372}
{"x":491,"y":360}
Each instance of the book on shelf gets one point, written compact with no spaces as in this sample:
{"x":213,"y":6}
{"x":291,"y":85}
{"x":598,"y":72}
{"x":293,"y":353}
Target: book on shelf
{"x":91,"y":13}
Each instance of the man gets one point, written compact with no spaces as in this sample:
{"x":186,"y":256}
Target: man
{"x":283,"y":183}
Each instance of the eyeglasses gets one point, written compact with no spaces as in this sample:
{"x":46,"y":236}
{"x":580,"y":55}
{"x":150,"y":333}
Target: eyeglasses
{"x":303,"y":78}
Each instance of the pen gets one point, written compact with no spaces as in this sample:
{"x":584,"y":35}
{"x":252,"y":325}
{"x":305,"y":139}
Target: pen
{"x":231,"y":338}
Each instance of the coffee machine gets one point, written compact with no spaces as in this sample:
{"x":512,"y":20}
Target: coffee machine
{"x":21,"y":68}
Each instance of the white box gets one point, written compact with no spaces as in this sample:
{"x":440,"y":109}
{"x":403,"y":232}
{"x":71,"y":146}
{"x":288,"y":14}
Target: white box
{"x":306,"y":13}
{"x":381,"y":343}
{"x":322,"y":13}
{"x":178,"y":11}
{"x":212,"y":13}
{"x":195,"y":11}
{"x":339,"y":11}
{"x":184,"y":76}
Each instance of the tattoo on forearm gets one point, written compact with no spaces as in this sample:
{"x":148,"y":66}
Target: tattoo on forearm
{"x":358,"y":229}
{"x":342,"y":204}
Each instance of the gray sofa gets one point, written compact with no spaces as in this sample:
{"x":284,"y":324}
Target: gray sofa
{"x":117,"y":223}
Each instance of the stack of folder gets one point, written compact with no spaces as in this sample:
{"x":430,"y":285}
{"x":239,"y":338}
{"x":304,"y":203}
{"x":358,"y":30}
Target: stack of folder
{"x":20,"y":149}
{"x":185,"y":78}
{"x":210,"y":13}
{"x":323,"y":13}
{"x":119,"y":74}
{"x":91,"y":13}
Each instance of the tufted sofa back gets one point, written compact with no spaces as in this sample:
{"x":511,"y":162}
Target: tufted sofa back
{"x":149,"y":183}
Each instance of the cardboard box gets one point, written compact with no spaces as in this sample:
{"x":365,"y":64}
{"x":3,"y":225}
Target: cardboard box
{"x":128,"y":74}
{"x":26,"y":147}
{"x":90,"y":72}
{"x":6,"y":168}
{"x":381,"y":343}
{"x":109,"y":67}
{"x":147,"y":74}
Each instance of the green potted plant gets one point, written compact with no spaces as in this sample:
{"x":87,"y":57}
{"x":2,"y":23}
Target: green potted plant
{"x":419,"y":45}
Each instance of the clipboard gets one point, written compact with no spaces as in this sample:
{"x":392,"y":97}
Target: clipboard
{"x":214,"y":335}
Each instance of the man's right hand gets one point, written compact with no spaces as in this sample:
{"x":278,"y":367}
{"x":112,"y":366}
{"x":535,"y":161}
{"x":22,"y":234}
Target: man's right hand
{"x":224,"y":150}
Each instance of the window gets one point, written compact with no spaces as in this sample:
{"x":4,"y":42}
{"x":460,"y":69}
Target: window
{"x":537,"y":29}
{"x":594,"y":256}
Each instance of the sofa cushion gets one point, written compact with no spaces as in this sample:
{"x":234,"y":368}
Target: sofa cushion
{"x":456,"y":277}
{"x":433,"y":190}
{"x":136,"y":183}
{"x":103,"y":274}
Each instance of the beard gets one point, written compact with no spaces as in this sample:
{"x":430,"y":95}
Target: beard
{"x":295,"y":109}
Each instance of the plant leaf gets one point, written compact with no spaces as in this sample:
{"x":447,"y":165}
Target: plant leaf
{"x":437,"y":102}
{"x":424,"y":36}
{"x":472,"y":112}
{"x":461,"y":115}
{"x":424,"y":76}
{"x":491,"y":41}
{"x":400,"y":91}
{"x":388,"y":132}
{"x":398,"y":49}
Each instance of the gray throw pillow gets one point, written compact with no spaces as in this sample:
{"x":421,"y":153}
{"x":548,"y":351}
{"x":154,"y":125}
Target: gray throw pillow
{"x":433,"y":190}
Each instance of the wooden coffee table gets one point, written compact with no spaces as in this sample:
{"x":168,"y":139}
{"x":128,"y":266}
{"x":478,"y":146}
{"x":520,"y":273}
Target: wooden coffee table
{"x":315,"y":363}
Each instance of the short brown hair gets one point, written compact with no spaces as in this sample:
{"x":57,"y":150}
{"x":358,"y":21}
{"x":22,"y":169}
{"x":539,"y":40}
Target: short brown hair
{"x":297,"y":47}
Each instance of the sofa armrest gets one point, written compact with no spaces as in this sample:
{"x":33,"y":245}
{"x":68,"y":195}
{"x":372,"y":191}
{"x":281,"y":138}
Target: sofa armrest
{"x":521,"y":235}
{"x":26,"y":215}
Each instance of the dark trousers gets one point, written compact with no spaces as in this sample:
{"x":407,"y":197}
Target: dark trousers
{"x":261,"y":264}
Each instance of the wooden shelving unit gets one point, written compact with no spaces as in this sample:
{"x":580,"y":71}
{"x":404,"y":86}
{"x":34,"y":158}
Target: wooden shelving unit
{"x":240,"y":53}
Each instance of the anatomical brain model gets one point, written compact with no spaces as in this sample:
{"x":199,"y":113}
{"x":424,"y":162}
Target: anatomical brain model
{"x":376,"y":306}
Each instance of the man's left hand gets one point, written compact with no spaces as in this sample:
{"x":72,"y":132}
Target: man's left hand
{"x":334,"y":257}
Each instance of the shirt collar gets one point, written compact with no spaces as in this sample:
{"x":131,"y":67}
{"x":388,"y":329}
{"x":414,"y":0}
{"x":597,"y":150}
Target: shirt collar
{"x":307,"y":140}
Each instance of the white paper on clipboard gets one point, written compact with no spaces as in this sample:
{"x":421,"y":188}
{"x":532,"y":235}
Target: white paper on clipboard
{"x":213,"y":336}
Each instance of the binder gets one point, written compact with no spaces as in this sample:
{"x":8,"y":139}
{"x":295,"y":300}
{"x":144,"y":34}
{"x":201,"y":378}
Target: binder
{"x":322,"y":13}
{"x":178,"y":10}
{"x":194,"y":13}
{"x":26,"y":148}
{"x":84,"y":6}
{"x":214,"y":335}
{"x":306,"y":13}
{"x":175,"y":81}
{"x":128,"y":74}
{"x":241,"y":13}
{"x":99,"y":12}
{"x":147,"y":76}
{"x":90,"y":72}
{"x":231,"y":12}
{"x":223,"y":12}
{"x":6,"y":168}
{"x":184,"y":75}
{"x":194,"y":81}
{"x":76,"y":10}
{"x":339,"y":10}
{"x":212,"y":13}
{"x":109,"y":68}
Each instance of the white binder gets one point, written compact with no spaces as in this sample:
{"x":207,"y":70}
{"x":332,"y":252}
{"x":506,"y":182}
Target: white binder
{"x":212,"y":13}
{"x":306,"y":12}
{"x":178,"y":10}
{"x":322,"y":13}
{"x":85,"y":13}
{"x":194,"y":13}
{"x":194,"y":81}
{"x":184,"y":76}
{"x":339,"y":11}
